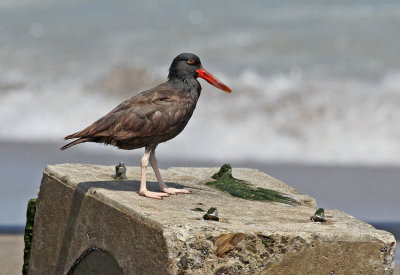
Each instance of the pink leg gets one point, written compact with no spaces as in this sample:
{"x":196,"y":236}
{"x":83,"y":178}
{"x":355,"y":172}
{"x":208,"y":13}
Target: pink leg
{"x":163,"y":187}
{"x":143,"y":188}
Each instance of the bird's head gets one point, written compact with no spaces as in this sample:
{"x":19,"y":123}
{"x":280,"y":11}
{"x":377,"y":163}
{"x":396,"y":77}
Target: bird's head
{"x":189,"y":65}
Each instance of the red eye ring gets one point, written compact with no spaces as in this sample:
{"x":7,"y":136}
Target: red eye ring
{"x":191,"y":61}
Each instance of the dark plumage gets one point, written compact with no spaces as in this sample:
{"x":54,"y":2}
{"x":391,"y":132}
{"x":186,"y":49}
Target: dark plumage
{"x":149,"y":118}
{"x":153,"y":116}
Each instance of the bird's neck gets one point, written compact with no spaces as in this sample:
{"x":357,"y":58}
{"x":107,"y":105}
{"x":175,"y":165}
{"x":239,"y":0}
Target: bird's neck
{"x":188,"y":84}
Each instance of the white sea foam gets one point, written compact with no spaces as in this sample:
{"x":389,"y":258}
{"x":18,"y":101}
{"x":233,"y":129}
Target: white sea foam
{"x":312,"y":82}
{"x":40,"y":112}
{"x":275,"y":118}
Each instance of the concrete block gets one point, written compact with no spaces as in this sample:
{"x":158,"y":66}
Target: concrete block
{"x":88,"y":223}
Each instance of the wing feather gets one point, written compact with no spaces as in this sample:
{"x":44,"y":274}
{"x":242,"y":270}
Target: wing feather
{"x":149,"y":113}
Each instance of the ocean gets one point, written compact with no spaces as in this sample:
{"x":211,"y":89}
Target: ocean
{"x":316,"y":88}
{"x":313,"y":81}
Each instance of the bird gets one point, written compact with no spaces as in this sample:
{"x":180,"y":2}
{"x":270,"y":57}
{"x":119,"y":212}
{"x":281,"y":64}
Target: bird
{"x":152,"y":117}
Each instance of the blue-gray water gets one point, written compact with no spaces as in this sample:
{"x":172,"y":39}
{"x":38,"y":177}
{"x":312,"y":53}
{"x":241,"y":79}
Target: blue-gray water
{"x":313,"y":81}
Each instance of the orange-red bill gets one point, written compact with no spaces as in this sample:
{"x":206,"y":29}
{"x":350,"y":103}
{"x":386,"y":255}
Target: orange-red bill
{"x":212,"y":80}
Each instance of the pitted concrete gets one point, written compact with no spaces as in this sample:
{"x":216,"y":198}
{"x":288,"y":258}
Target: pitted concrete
{"x":84,"y":215}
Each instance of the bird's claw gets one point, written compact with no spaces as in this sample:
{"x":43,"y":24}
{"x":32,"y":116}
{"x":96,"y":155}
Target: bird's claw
{"x":174,"y":191}
{"x":153,"y":195}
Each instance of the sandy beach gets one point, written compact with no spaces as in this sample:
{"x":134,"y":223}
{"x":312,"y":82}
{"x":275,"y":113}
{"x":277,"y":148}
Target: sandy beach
{"x":11,"y":253}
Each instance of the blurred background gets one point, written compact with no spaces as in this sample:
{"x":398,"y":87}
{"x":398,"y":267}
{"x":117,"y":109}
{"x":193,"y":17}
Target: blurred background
{"x":315,"y":101}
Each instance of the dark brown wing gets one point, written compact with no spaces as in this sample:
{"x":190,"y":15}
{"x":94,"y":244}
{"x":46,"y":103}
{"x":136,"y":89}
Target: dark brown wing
{"x":152,"y":113}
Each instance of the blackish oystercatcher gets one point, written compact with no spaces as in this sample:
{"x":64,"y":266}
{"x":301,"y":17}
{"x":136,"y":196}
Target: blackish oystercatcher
{"x":152,"y":117}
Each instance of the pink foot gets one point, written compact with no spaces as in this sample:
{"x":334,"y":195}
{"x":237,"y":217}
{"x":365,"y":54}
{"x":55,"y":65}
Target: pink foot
{"x":174,"y":191}
{"x":153,"y":195}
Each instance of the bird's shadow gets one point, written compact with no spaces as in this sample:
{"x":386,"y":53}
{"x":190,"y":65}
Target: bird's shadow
{"x":123,"y":185}
{"x":76,"y":206}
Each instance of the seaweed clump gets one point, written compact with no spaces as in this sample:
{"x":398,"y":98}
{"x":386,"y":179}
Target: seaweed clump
{"x":225,"y":182}
{"x":30,"y":217}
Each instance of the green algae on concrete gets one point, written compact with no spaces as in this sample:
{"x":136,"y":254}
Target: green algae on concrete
{"x":224,"y":181}
{"x":30,"y":217}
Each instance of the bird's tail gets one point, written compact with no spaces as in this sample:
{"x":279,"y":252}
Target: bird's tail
{"x":75,"y":142}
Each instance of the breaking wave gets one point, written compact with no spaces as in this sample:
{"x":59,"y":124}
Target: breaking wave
{"x":266,"y":118}
{"x":312,"y":81}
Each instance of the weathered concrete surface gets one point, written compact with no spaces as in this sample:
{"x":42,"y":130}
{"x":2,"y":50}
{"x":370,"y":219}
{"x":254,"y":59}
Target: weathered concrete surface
{"x":85,"y":218}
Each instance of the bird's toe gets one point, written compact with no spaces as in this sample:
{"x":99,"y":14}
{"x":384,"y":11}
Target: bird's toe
{"x":153,"y":195}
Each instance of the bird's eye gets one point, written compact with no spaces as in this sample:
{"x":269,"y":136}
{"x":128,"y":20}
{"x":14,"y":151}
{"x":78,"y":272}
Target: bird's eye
{"x":191,"y":61}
